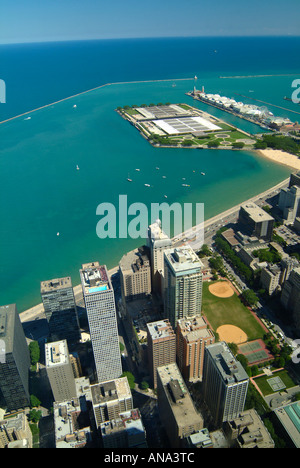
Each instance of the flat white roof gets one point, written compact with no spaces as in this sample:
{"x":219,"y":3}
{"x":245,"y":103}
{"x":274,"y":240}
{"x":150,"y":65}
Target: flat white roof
{"x":185,"y":125}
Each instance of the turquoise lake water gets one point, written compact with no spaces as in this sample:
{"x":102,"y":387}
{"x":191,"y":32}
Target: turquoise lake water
{"x":43,"y":194}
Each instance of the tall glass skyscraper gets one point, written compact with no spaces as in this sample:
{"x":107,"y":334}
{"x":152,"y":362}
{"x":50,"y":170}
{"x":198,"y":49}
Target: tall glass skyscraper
{"x":101,"y":312}
{"x":182,"y":284}
{"x":15,"y":360}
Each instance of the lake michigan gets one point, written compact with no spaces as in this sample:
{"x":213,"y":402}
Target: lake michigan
{"x":43,"y":194}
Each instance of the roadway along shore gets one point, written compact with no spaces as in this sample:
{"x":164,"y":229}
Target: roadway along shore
{"x":38,"y":311}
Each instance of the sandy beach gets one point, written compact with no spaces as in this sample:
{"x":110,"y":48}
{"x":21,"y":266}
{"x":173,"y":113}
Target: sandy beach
{"x":281,"y":157}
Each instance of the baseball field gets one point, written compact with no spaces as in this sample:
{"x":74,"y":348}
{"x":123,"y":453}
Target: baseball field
{"x":227,"y":315}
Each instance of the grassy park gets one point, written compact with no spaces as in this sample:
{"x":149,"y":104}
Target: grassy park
{"x":229,"y":311}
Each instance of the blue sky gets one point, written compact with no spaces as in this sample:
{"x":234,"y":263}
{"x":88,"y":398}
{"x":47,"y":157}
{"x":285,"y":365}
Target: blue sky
{"x":56,"y":20}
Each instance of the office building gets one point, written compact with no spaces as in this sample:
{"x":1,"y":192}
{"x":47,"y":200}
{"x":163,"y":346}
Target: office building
{"x":176,"y":409}
{"x":289,"y":204}
{"x":110,"y":399}
{"x":60,"y":309}
{"x":294,"y":180}
{"x":15,"y":431}
{"x":161,"y":343}
{"x":15,"y":360}
{"x":157,"y":242}
{"x":270,"y":278}
{"x":99,"y":299}
{"x":59,"y":371}
{"x":127,"y":431}
{"x":182,"y":284}
{"x":72,"y":424}
{"x":286,"y":421}
{"x":135,"y":275}
{"x":192,"y":337}
{"x":290,"y":297}
{"x":248,"y":431}
{"x":225,"y":383}
{"x":254,"y":221}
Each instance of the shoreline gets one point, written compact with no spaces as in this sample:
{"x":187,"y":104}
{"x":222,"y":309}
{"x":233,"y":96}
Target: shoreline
{"x":281,"y":157}
{"x":38,"y":309}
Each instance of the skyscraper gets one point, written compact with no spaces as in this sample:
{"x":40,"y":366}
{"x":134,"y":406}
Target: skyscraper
{"x":15,"y":362}
{"x":157,"y":241}
{"x":60,"y":309}
{"x":59,"y":371}
{"x":193,"y":335}
{"x":176,"y":408}
{"x":225,"y":383}
{"x":182,"y":284}
{"x":161,"y":342}
{"x":101,"y":312}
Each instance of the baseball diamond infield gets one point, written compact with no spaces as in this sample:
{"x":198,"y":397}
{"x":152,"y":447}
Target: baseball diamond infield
{"x":232,"y":334}
{"x":221,"y":289}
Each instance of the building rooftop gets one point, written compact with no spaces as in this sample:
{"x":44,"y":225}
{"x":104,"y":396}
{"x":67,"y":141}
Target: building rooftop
{"x":128,"y":420}
{"x":160,"y":329}
{"x":135,"y":260}
{"x":7,"y":323}
{"x":289,"y":416}
{"x":230,"y":369}
{"x":56,"y":284}
{"x":156,"y":235}
{"x":182,"y":260}
{"x":110,"y":390}
{"x":256,"y":213}
{"x":72,"y":425}
{"x":178,"y":395}
{"x":56,"y":353}
{"x":194,"y":328}
{"x":94,"y":278}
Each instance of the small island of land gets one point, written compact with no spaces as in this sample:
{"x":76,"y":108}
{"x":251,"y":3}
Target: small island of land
{"x":181,"y":125}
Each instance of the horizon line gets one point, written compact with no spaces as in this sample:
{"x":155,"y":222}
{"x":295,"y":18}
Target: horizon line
{"x":47,"y":41}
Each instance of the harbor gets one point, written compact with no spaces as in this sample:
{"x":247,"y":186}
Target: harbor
{"x":259,"y":115}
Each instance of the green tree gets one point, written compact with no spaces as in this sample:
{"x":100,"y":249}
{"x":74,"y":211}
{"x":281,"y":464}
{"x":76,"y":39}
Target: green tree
{"x":35,"y":415}
{"x":34,"y":351}
{"x":250,"y":297}
{"x":144,"y":385}
{"x":130,"y":378}
{"x":34,"y":401}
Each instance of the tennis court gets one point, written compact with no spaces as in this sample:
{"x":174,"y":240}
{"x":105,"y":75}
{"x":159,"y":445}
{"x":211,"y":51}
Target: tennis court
{"x":255,"y":351}
{"x":276,"y":384}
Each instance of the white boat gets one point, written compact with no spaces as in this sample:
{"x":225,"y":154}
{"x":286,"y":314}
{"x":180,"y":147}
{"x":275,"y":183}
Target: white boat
{"x":128,"y":178}
{"x":157,"y":168}
{"x":165,"y":196}
{"x":202,"y":173}
{"x":147,"y":185}
{"x":185,"y":185}
{"x":27,"y":118}
{"x":74,"y":107}
{"x":164,"y":177}
{"x":138,"y":170}
{"x":77,"y":167}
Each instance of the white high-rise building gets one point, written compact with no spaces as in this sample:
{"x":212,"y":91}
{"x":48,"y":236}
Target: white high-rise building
{"x":225,"y":383}
{"x":101,"y":312}
{"x":158,"y":242}
{"x":182,"y":284}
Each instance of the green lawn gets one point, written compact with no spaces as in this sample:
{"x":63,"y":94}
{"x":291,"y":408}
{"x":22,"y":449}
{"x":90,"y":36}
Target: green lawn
{"x":264,"y":386}
{"x":229,"y":311}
